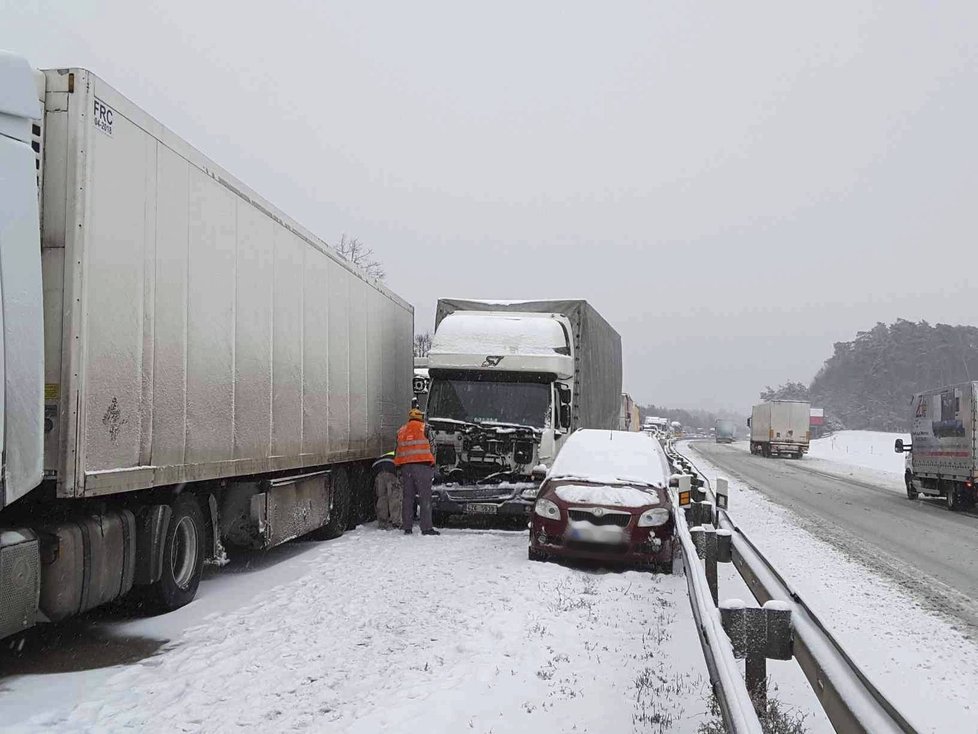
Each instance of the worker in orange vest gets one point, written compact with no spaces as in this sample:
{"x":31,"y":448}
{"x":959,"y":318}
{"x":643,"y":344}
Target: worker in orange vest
{"x":416,"y":465}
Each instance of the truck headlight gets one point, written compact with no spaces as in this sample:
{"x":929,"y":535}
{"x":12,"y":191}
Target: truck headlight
{"x":529,"y":494}
{"x":546,"y":508}
{"x":654,"y":518}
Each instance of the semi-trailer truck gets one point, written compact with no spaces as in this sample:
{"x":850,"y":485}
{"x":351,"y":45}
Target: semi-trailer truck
{"x":509,"y":382}
{"x":185,"y":368}
{"x":780,"y":428}
{"x":942,"y":456}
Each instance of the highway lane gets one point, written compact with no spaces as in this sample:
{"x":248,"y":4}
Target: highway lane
{"x":920,"y":544}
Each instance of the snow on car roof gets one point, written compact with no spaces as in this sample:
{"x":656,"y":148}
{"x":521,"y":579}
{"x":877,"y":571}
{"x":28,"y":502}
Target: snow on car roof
{"x":497,"y":332}
{"x":612,"y":457}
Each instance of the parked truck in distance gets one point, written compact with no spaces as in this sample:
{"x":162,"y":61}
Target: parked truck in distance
{"x":186,"y":368}
{"x":628,"y":418}
{"x":725,"y":431}
{"x":780,"y":428}
{"x":510,"y":381}
{"x":942,"y":457}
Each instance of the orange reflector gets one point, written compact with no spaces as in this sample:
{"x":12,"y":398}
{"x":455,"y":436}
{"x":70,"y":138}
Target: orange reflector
{"x":683,"y":499}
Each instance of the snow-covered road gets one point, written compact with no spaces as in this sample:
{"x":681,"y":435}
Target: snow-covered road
{"x":378,"y":632}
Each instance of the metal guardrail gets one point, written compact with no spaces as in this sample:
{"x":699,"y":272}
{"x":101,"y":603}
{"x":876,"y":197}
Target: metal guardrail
{"x":729,"y":688}
{"x":850,"y":700}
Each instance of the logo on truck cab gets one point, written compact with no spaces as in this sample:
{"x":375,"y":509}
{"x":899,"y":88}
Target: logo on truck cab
{"x":103,"y":115}
{"x":492,"y":361}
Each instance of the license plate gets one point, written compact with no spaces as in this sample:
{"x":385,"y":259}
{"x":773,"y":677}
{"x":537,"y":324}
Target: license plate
{"x":479,"y":508}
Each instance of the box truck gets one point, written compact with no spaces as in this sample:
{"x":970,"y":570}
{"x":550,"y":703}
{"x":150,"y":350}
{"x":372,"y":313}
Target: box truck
{"x":780,"y":428}
{"x":509,"y":382}
{"x":185,"y":368}
{"x":724,"y":431}
{"x":943,"y":455}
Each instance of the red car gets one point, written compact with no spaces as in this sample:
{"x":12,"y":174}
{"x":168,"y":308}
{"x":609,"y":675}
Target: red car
{"x":606,"y":498}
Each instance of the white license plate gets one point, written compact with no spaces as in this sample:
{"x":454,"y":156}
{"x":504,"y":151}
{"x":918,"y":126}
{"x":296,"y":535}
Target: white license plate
{"x":478,"y":508}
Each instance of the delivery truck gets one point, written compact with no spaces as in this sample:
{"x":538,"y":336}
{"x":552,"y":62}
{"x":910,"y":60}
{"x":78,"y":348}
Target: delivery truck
{"x":510,"y":381}
{"x":185,"y":368}
{"x":724,"y":431}
{"x":780,"y":428}
{"x":942,"y":454}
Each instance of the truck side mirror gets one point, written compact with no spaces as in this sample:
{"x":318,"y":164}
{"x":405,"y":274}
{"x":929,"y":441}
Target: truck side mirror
{"x":565,"y":416}
{"x":901,"y":448}
{"x":748,"y":422}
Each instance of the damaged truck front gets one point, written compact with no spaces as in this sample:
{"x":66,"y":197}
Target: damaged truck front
{"x":509,"y":382}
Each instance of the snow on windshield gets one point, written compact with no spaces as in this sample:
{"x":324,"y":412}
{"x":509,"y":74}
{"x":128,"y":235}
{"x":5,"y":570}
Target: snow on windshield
{"x":499,"y":333}
{"x":612,"y":457}
{"x":605,"y":495}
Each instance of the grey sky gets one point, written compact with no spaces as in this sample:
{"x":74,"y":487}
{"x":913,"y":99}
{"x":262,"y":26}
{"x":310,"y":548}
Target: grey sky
{"x":735,"y":186}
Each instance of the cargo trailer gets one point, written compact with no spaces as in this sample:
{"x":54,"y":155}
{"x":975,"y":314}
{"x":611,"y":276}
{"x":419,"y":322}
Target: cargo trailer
{"x":780,"y":428}
{"x":193,"y":369}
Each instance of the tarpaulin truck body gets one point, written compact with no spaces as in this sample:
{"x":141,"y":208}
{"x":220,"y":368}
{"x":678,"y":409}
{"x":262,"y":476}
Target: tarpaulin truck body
{"x":195,"y":338}
{"x":509,"y":382}
{"x":944,"y":441}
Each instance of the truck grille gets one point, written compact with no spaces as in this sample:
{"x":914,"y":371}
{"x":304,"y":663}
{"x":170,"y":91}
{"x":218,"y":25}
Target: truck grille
{"x":618,"y":519}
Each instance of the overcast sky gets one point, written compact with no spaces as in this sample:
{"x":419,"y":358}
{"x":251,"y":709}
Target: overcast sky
{"x":735,"y":186}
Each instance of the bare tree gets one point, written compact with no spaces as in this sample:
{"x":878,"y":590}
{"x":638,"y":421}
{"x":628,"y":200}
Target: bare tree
{"x":422,"y":344}
{"x":354,"y":251}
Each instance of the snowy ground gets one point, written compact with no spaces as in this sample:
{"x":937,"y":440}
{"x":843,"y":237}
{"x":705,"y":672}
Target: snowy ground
{"x":918,"y":658}
{"x":377,"y":632}
{"x":865,"y":456}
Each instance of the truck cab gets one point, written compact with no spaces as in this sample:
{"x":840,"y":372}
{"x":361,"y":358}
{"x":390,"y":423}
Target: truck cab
{"x":499,"y":407}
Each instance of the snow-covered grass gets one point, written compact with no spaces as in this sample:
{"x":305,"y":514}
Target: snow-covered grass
{"x":378,"y":632}
{"x":866,"y":455}
{"x":918,"y":659}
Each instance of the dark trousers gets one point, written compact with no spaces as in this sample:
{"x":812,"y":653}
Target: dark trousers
{"x":416,"y":480}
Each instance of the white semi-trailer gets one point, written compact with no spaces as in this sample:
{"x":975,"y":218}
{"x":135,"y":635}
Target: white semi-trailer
{"x":943,"y":453}
{"x":780,"y":428}
{"x":184,"y":367}
{"x":509,"y":382}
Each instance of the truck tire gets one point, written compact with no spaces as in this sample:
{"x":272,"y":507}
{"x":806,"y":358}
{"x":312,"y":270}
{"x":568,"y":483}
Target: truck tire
{"x":534,"y":555}
{"x":953,"y":497}
{"x":183,"y":557}
{"x":340,"y":507}
{"x":911,"y":492}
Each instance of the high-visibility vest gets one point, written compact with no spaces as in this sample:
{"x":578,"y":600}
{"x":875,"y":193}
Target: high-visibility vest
{"x":413,"y":446}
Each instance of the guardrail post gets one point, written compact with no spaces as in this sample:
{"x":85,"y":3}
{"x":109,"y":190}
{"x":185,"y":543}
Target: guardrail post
{"x":780,"y":639}
{"x":755,"y":669}
{"x":758,"y":634}
{"x":710,"y":555}
{"x":724,"y":546}
{"x":697,"y":534}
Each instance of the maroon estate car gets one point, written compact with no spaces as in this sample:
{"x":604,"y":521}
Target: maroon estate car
{"x":606,"y":498}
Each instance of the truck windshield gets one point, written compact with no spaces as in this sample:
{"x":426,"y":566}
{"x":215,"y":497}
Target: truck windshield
{"x":480,"y":401}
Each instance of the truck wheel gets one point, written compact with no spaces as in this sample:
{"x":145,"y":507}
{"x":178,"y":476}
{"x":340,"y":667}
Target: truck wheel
{"x":183,"y":557}
{"x":953,"y":497}
{"x":339,"y":509}
{"x":911,"y":492}
{"x":534,"y":555}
